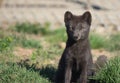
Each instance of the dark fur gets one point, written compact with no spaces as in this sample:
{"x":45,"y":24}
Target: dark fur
{"x":76,"y":61}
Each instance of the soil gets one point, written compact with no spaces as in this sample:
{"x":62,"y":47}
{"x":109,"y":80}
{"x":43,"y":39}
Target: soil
{"x":23,"y":53}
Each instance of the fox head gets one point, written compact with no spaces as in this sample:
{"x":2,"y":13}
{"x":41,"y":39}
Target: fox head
{"x":77,"y":27}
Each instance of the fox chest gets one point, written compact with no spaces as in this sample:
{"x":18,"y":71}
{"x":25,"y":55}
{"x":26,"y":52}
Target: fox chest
{"x":76,"y":52}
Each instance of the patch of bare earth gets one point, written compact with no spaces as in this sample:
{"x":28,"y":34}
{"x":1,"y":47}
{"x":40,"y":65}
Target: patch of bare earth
{"x":98,"y":52}
{"x":23,"y":53}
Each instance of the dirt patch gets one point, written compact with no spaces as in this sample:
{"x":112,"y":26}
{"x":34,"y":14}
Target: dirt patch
{"x":23,"y":53}
{"x":98,"y":52}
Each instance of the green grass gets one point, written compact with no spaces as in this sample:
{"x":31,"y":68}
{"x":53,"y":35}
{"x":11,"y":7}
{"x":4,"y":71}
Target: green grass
{"x":57,"y":36}
{"x":32,"y":28}
{"x":110,"y":73}
{"x":22,"y":41}
{"x":29,"y":43}
{"x":6,"y":43}
{"x":97,"y":41}
{"x":113,"y":43}
{"x":13,"y":73}
{"x":11,"y":41}
{"x":45,"y":56}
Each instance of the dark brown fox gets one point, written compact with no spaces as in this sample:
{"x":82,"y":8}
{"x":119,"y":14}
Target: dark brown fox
{"x":75,"y":65}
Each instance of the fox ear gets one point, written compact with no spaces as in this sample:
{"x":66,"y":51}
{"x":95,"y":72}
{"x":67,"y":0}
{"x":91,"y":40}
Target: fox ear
{"x":67,"y":16}
{"x":87,"y":17}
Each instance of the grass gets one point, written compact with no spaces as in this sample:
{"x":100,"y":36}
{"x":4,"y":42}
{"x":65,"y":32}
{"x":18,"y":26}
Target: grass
{"x":51,"y":35}
{"x":113,"y":43}
{"x":13,"y":73}
{"x":57,"y":36}
{"x":23,"y":41}
{"x":110,"y":44}
{"x":32,"y":28}
{"x":6,"y":43}
{"x":110,"y":73}
{"x":29,"y":43}
{"x":46,"y":56}
{"x":97,"y":41}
